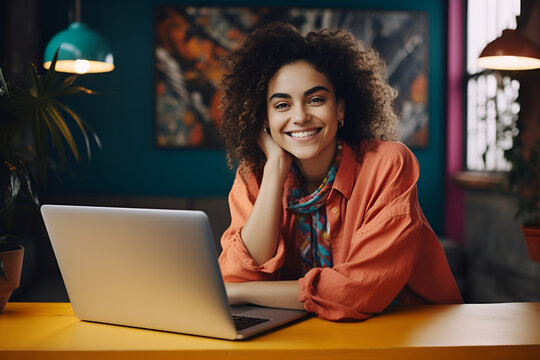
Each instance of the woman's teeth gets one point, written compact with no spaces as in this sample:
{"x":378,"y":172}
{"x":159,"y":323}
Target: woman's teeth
{"x":303,"y":134}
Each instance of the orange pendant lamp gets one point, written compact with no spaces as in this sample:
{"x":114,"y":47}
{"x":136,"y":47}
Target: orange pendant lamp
{"x":510,"y":51}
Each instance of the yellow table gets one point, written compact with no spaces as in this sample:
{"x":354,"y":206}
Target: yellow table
{"x":479,"y":331}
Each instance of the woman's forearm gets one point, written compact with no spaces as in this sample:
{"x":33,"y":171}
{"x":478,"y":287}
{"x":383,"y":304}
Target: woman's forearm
{"x":278,"y":294}
{"x":260,"y":233}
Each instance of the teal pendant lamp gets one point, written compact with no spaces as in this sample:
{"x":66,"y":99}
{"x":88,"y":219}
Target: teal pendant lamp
{"x":80,"y":49}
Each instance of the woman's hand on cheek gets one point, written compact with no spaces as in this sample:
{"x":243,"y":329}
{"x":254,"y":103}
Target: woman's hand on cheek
{"x":275,"y":154}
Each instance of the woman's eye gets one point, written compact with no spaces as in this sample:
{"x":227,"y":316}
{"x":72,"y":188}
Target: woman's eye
{"x":316,"y":100}
{"x":281,"y":106}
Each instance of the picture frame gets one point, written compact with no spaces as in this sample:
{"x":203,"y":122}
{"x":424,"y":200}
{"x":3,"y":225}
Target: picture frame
{"x":190,"y":40}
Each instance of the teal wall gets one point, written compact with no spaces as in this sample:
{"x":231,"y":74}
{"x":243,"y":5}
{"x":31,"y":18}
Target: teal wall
{"x":123,"y":115}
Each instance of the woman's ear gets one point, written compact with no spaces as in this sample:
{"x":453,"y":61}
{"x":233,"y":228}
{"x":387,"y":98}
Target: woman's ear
{"x":341,"y":109}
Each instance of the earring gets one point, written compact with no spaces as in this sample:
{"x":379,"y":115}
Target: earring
{"x":267,"y":129}
{"x":341,"y":122}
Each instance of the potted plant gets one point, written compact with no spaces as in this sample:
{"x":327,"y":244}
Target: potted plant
{"x":524,"y":180}
{"x":32,"y":122}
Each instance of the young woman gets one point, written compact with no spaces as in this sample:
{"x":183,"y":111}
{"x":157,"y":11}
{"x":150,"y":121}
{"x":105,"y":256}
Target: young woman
{"x":324,"y":206}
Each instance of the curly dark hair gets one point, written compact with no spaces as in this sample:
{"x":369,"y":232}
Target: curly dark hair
{"x":357,"y":74}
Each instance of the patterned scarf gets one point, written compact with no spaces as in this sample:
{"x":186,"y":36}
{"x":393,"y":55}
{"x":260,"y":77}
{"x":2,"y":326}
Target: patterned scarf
{"x":313,"y":231}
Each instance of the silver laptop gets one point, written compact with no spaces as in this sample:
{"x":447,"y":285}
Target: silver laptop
{"x":154,"y":269}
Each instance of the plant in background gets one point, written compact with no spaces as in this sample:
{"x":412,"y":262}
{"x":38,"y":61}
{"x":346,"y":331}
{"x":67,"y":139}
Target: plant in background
{"x":524,"y":178}
{"x":32,"y":123}
{"x":524,"y":157}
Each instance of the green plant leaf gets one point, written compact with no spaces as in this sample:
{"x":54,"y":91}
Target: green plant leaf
{"x":71,"y":91}
{"x":58,"y":144}
{"x":51,"y":76}
{"x":4,"y":91}
{"x":82,"y":126}
{"x":27,"y":180}
{"x":11,"y":184}
{"x":19,"y":179}
{"x":60,"y":123}
{"x":40,"y":138}
{"x":36,"y":88}
{"x":66,"y":83}
{"x":14,"y":186}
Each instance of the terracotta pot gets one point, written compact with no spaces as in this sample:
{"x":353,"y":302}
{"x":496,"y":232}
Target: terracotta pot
{"x":12,"y":267}
{"x":532,"y":237}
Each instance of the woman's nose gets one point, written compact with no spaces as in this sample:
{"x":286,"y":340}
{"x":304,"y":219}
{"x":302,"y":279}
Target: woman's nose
{"x":300,"y":115}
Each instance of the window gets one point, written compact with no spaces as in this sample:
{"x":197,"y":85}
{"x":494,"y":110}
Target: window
{"x":492,"y":107}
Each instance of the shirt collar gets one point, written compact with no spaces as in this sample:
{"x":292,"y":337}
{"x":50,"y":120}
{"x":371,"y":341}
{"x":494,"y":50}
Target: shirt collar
{"x":346,"y":172}
{"x":342,"y":182}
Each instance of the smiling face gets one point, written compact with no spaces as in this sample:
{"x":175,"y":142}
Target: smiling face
{"x":303,"y":114}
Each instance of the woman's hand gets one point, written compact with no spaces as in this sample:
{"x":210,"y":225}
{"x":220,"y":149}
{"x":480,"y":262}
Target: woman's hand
{"x":275,"y":155}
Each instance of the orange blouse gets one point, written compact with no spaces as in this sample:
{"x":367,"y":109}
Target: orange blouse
{"x":382,"y":245}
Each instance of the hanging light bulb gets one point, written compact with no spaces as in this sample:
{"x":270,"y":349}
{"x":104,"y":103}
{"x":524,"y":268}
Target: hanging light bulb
{"x":80,"y":49}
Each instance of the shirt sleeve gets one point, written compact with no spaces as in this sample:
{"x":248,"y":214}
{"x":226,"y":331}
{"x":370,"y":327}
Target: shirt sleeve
{"x":235,"y":261}
{"x":382,"y":248}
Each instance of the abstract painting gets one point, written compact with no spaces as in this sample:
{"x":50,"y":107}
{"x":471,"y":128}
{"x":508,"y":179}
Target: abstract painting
{"x":190,"y":40}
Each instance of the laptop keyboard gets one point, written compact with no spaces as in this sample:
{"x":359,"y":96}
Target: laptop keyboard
{"x":244,"y":322}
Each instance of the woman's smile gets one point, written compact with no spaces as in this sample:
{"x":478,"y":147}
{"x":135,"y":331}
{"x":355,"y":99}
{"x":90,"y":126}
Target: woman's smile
{"x":303,"y":134}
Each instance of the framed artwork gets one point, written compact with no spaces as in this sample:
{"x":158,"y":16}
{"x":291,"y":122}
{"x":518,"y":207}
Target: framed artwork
{"x":190,"y":40}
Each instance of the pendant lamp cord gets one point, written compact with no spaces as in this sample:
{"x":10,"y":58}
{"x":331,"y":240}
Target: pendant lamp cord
{"x":77,"y":10}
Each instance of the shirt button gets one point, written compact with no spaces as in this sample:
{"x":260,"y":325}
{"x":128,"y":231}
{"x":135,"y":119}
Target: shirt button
{"x":335,"y":210}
